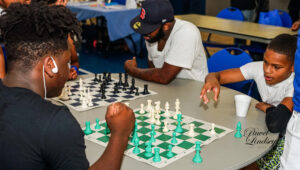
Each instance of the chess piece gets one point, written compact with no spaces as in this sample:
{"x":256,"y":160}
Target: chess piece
{"x":178,"y":127}
{"x":148,"y":150}
{"x":120,"y":80}
{"x":212,"y":131}
{"x":145,"y":89}
{"x":197,"y":158}
{"x":96,"y":78}
{"x":174,"y":140}
{"x":191,"y":130}
{"x":88,"y":129}
{"x":97,"y":126}
{"x":132,"y":87}
{"x":142,"y":111}
{"x":170,"y":154}
{"x":165,"y":129}
{"x":137,"y":91}
{"x":238,"y":133}
{"x":167,"y":107}
{"x":136,"y":149}
{"x":156,"y":157}
{"x":149,"y":105}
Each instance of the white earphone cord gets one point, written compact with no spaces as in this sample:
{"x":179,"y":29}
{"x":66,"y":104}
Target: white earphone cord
{"x":44,"y":81}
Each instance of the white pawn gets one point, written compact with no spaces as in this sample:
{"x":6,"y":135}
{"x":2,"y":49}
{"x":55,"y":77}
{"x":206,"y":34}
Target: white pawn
{"x":84,"y":104}
{"x":191,"y":131}
{"x":212,"y":131}
{"x":177,"y":103}
{"x":80,"y":85}
{"x":157,"y":122}
{"x":167,"y":107}
{"x":81,"y":96}
{"x":149,"y":106}
{"x":152,"y":119}
{"x":69,"y":91}
{"x":142,"y":111}
{"x":166,"y":127}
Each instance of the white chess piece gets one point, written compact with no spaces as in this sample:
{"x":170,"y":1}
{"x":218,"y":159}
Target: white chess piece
{"x":212,"y":131}
{"x":177,"y":103}
{"x":142,"y":111}
{"x":69,"y":91}
{"x":81,"y":96}
{"x":84,"y":92}
{"x":167,"y":107}
{"x":80,"y":85}
{"x":191,"y":131}
{"x":149,"y":106}
{"x":157,"y":109}
{"x":84,"y":104}
{"x":157,"y":122}
{"x":165,"y":126}
{"x":152,"y":119}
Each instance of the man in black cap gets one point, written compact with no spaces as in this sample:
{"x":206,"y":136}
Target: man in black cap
{"x":174,"y":46}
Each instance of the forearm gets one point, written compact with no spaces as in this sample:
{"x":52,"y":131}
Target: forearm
{"x":213,"y":77}
{"x":2,"y":67}
{"x":150,"y":74}
{"x":112,"y":157}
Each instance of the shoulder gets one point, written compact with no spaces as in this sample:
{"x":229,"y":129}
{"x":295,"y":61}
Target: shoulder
{"x":256,"y":65}
{"x":185,"y":28}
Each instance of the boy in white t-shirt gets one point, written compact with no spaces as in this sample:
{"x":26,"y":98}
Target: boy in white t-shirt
{"x":174,"y":46}
{"x":274,"y":78}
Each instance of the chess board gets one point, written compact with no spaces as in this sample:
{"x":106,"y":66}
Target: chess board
{"x":123,"y":95}
{"x":184,"y":146}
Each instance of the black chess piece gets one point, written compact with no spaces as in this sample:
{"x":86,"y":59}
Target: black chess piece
{"x":103,"y":95}
{"x":124,"y":87}
{"x":99,"y":79}
{"x":116,"y":90}
{"x":131,"y":91}
{"x":109,"y":77}
{"x":145,"y":89}
{"x":126,"y":84}
{"x":104,"y":76}
{"x":96,"y":77}
{"x":137,"y":93}
{"x":120,"y":79}
{"x":132,"y":84}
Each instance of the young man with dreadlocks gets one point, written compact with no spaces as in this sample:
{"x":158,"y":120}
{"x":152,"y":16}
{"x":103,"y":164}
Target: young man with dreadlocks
{"x":34,"y":133}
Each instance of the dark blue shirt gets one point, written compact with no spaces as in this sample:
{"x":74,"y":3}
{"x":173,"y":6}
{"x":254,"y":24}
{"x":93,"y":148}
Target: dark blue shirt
{"x":36,"y":134}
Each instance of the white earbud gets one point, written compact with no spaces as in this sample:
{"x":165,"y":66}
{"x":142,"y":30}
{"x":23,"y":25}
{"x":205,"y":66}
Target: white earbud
{"x":55,"y":69}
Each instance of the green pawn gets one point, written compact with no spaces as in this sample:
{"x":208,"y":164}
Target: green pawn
{"x":197,"y":158}
{"x":156,"y":157}
{"x":136,"y":149}
{"x":170,"y":154}
{"x":148,"y":149}
{"x":179,"y":128}
{"x":238,"y":130}
{"x":174,"y":140}
{"x":97,"y":126}
{"x":88,"y":129}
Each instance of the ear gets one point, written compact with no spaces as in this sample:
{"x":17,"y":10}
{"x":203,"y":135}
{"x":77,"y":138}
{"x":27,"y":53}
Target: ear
{"x":48,"y":66}
{"x":166,"y":26}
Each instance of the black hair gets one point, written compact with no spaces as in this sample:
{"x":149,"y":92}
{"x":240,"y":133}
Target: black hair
{"x":47,"y":1}
{"x":32,"y":31}
{"x":284,"y":44}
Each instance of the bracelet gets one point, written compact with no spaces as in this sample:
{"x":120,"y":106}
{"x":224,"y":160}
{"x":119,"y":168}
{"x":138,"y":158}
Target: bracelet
{"x":75,"y":67}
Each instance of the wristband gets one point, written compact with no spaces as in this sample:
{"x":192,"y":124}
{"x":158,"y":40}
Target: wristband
{"x":75,"y":67}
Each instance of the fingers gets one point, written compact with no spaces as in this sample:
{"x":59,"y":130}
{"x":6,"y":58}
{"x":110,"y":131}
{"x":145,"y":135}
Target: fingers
{"x":216,"y":91}
{"x":203,"y":95}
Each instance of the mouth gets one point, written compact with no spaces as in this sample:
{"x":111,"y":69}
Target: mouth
{"x":268,"y":79}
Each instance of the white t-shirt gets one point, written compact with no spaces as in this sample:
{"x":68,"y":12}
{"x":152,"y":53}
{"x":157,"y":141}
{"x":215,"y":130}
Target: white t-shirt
{"x":184,"y":49}
{"x":272,"y":94}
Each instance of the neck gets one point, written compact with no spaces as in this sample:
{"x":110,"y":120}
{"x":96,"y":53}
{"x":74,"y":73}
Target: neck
{"x":27,"y":80}
{"x":168,"y":32}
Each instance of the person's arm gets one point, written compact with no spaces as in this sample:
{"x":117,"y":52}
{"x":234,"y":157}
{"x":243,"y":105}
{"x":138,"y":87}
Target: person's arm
{"x":278,"y":117}
{"x":162,"y":75}
{"x":213,"y":81}
{"x":120,"y":120}
{"x":296,"y":25}
{"x":2,"y":64}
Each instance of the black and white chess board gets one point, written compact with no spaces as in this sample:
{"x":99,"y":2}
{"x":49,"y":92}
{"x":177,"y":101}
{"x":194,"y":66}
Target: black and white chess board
{"x":101,"y":90}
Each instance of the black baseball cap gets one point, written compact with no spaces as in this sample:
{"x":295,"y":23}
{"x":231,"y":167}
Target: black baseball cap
{"x":154,"y":13}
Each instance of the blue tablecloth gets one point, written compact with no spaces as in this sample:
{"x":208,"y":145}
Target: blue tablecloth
{"x":118,"y":20}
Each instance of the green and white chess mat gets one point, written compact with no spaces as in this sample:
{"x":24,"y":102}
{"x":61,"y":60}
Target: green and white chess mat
{"x":184,"y":146}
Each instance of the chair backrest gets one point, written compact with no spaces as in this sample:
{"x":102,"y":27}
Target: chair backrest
{"x":275,"y":17}
{"x":231,"y":13}
{"x":223,"y":60}
{"x":121,"y":2}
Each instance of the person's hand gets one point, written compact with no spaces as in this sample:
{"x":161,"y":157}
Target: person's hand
{"x":73,"y":74}
{"x":211,"y":84}
{"x":120,"y":119}
{"x":130,"y":64}
{"x":295,"y":25}
{"x":263,"y":106}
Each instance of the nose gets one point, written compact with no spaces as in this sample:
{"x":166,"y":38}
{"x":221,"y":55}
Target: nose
{"x":268,"y":69}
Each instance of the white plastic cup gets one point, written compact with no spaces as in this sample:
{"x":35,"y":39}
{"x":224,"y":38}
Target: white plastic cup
{"x":242,"y":103}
